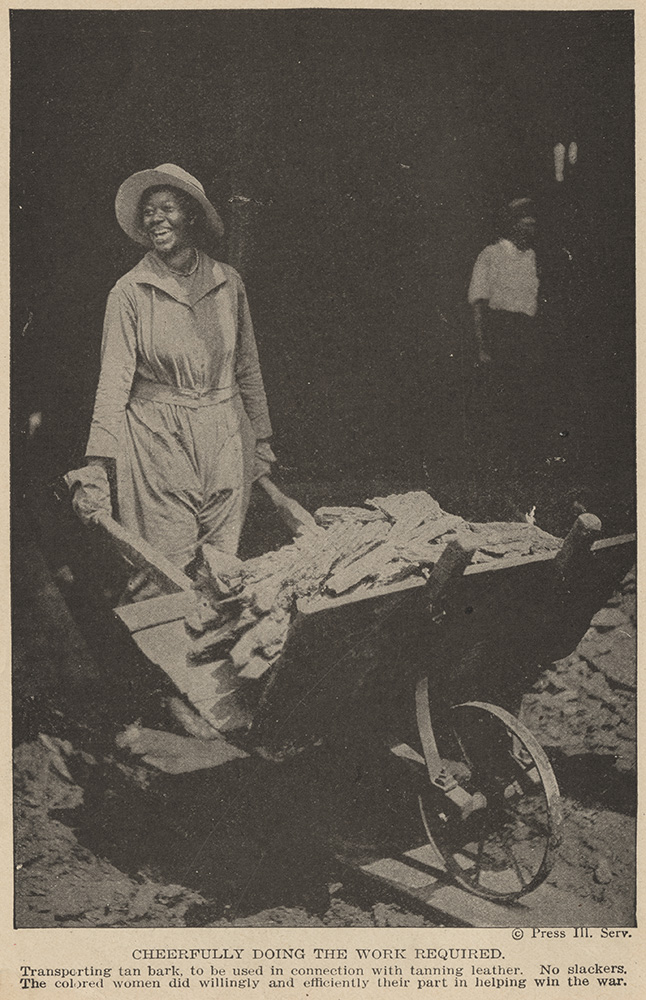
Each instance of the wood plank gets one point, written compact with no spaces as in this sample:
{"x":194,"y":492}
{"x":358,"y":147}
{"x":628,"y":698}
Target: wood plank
{"x":156,"y":610}
{"x":509,"y":562}
{"x":417,"y":876}
{"x":313,"y":605}
{"x":255,"y":668}
{"x":166,"y":646}
{"x":210,"y":687}
{"x":612,"y":543}
{"x":178,"y":754}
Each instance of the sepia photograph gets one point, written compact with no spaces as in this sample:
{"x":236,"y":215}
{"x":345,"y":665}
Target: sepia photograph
{"x":323,"y":479}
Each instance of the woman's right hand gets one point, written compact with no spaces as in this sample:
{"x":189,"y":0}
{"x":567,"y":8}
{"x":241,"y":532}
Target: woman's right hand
{"x":99,"y":461}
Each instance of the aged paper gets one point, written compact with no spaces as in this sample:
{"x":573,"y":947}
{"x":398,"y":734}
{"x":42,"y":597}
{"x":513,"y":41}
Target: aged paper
{"x":218,"y":904}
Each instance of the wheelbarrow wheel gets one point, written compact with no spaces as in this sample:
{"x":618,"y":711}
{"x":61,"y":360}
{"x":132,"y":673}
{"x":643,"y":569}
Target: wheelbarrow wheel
{"x":500,"y":845}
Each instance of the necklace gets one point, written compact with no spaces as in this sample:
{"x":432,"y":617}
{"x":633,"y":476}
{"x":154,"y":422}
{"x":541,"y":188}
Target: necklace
{"x":186,"y":274}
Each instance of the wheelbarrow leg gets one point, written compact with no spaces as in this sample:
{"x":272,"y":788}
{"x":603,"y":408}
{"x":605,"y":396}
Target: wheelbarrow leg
{"x":446,"y":572}
{"x":502,"y":849}
{"x":492,"y":808}
{"x":438,"y":771}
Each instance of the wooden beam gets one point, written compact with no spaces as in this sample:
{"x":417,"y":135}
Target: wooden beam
{"x":156,"y":610}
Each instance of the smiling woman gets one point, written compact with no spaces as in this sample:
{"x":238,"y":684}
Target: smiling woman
{"x":168,"y":216}
{"x":180,"y":410}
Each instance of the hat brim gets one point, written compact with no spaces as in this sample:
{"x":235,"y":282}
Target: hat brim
{"x":129,"y":197}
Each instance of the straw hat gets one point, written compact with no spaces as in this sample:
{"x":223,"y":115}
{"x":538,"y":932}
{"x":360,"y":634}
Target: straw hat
{"x":168,"y":174}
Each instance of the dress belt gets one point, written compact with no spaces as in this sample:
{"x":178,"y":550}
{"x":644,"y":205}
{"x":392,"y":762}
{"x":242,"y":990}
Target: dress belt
{"x":156,"y":392}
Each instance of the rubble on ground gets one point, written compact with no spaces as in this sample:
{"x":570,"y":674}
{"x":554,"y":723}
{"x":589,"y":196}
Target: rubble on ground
{"x":586,"y":703}
{"x":60,"y":883}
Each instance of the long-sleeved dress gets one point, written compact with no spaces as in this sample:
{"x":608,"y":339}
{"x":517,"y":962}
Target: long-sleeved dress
{"x":180,"y":404}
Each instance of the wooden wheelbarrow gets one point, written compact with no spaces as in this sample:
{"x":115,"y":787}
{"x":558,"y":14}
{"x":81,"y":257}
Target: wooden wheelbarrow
{"x":432,"y":669}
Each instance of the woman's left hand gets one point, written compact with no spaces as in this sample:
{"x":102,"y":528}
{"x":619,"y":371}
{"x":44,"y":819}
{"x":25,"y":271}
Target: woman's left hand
{"x":298,"y":520}
{"x":264,"y":458}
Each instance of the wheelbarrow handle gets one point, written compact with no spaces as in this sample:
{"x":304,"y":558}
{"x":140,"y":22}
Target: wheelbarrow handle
{"x":578,"y":543}
{"x":142,"y":555}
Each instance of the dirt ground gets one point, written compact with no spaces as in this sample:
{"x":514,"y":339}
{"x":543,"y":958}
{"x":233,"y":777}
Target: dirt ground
{"x":99,"y":842}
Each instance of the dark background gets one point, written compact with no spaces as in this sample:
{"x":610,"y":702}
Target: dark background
{"x":358,"y":159}
{"x":374,"y":148}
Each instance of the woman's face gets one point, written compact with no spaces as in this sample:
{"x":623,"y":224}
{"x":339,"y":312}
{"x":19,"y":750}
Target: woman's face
{"x":166,"y":222}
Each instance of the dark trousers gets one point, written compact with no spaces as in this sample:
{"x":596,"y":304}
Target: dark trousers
{"x":509,"y":411}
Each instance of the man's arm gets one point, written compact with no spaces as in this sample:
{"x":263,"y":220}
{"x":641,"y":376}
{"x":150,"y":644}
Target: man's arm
{"x":478,"y":296}
{"x":479,"y":308}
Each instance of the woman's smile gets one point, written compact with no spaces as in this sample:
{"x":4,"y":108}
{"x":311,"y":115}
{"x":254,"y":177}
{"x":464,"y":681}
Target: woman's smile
{"x":166,"y":222}
{"x":161,"y":235}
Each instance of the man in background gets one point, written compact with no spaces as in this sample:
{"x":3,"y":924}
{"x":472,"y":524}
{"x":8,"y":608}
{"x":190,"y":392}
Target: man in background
{"x":504,"y":299}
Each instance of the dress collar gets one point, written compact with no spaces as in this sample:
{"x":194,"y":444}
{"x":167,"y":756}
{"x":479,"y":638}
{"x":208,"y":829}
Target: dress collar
{"x":152,"y":271}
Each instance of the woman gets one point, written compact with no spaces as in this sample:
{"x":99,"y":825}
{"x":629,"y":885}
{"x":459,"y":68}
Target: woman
{"x":180,"y":406}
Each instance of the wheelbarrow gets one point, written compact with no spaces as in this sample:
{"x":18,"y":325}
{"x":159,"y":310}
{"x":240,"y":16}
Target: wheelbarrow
{"x":431,"y":669}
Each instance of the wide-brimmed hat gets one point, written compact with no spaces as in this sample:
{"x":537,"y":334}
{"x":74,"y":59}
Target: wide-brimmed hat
{"x":168,"y":174}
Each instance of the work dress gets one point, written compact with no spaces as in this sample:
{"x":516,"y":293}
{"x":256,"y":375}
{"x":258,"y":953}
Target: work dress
{"x":180,"y":405}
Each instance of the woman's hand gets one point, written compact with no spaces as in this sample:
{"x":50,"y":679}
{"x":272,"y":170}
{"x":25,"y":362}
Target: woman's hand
{"x":90,"y":489}
{"x":297,"y":519}
{"x":264,"y":458}
{"x":99,"y":461}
